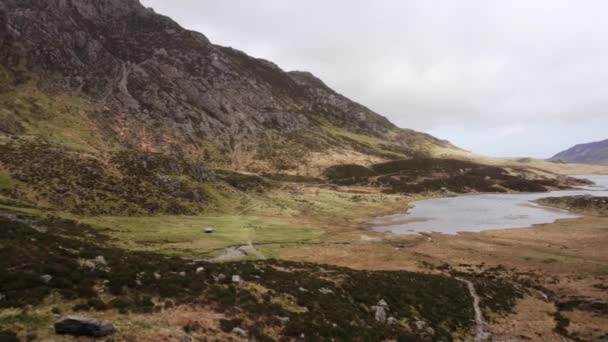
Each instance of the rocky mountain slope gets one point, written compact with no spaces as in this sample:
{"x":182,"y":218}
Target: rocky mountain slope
{"x":591,"y":153}
{"x":112,"y":74}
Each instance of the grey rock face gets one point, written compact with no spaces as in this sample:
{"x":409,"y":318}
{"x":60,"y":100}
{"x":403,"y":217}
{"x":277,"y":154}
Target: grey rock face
{"x":163,"y":85}
{"x":83,"y":326}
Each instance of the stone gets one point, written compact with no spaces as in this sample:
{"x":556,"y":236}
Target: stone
{"x":284,"y":319}
{"x":240,"y":332}
{"x":157,"y":275}
{"x":392,"y":321}
{"x":236,"y":279}
{"x":379,"y":313}
{"x":382,"y":303}
{"x":301,"y":289}
{"x":100,"y":260}
{"x":84,"y":326}
{"x":200,"y":270}
{"x":182,"y":274}
{"x":89,"y":264}
{"x":209,"y":230}
{"x":325,"y":291}
{"x":46,"y":278}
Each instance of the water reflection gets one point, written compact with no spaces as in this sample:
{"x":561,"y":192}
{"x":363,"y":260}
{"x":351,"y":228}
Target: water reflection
{"x":474,"y":213}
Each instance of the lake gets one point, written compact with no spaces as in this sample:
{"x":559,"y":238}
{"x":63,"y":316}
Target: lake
{"x":474,"y":213}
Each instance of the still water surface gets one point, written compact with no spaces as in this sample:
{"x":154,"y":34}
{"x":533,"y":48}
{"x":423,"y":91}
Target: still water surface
{"x":474,"y":213}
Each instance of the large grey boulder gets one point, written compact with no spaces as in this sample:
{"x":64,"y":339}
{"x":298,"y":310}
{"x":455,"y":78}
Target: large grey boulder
{"x":83,"y":326}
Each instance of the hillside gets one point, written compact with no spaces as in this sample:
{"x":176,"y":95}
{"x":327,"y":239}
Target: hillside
{"x":180,"y":190}
{"x":100,"y":76}
{"x":591,"y":153}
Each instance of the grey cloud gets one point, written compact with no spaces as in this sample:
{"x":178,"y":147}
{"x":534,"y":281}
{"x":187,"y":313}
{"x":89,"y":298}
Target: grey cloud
{"x":453,"y":68}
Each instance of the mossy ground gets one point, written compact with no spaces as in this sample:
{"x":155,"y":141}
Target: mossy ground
{"x":128,"y":286}
{"x":183,"y":235}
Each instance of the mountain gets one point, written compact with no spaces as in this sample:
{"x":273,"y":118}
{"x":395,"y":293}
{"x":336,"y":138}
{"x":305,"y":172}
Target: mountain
{"x":591,"y":153}
{"x":124,"y":76}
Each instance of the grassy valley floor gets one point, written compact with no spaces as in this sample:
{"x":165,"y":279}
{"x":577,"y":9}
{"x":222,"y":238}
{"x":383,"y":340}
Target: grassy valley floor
{"x":294,"y":241}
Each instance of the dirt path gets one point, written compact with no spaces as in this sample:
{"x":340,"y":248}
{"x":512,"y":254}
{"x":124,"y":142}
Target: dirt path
{"x":481,"y":327}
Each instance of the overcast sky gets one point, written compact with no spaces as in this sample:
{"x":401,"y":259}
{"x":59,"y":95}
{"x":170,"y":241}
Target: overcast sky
{"x":504,"y":78}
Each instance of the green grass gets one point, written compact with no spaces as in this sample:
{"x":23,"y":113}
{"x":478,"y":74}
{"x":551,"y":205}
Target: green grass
{"x":60,"y":118}
{"x":372,"y":142}
{"x":6,"y":182}
{"x":183,"y":235}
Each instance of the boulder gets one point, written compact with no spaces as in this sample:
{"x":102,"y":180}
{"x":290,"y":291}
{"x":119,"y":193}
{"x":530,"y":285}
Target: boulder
{"x":379,"y":313}
{"x":240,"y":332}
{"x":325,"y":291}
{"x":209,"y":230}
{"x":83,"y":326}
{"x":100,"y":260}
{"x":89,"y":264}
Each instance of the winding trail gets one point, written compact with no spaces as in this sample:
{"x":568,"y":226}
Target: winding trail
{"x":481,"y":331}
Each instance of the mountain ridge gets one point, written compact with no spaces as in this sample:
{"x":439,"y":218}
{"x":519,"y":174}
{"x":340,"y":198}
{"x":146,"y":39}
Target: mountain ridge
{"x":151,"y":85}
{"x":588,"y":153}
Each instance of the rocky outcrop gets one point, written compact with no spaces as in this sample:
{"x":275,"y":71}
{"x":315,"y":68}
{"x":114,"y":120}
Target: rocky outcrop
{"x":83,"y":326}
{"x":156,"y":86}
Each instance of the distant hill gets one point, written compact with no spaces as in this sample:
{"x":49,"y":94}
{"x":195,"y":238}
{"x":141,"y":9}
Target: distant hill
{"x":591,"y":153}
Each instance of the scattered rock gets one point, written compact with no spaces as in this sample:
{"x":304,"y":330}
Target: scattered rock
{"x":100,"y":260}
{"x":157,"y":275}
{"x":284,"y":319}
{"x":89,"y":264}
{"x":422,"y":326}
{"x":379,"y":314}
{"x":209,"y":230}
{"x":236,"y":279}
{"x":200,"y":270}
{"x":240,"y":332}
{"x":47,"y":278}
{"x":380,"y":310}
{"x":182,"y":274}
{"x":84,"y":326}
{"x":325,"y":291}
{"x":392,"y":321}
{"x":220,"y":277}
{"x":301,"y":289}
